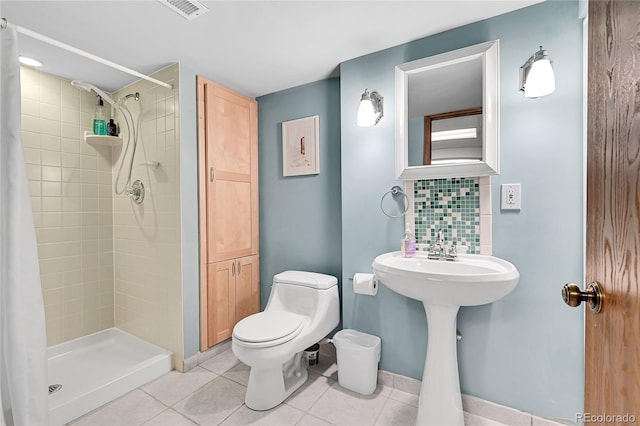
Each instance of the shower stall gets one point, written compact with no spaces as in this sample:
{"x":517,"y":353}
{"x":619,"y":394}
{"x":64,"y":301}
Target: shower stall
{"x":109,"y":261}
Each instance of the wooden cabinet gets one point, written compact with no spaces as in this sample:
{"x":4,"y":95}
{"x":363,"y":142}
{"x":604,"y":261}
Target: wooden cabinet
{"x":228,"y":178}
{"x":247,"y":287}
{"x":233,"y":293}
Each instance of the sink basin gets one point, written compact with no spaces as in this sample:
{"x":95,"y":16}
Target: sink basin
{"x":471,"y":280}
{"x":443,"y":287}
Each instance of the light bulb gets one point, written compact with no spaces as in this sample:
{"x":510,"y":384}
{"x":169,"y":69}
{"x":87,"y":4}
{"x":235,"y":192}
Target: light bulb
{"x":30,"y":62}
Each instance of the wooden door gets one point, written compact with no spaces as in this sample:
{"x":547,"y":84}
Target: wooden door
{"x":221,"y":297}
{"x":247,"y":287}
{"x":232,"y":161}
{"x":612,"y":346}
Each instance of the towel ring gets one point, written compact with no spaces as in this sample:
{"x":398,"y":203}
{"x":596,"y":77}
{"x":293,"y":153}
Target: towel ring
{"x":395,"y":191}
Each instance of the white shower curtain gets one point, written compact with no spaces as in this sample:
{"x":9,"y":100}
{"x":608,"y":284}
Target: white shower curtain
{"x":23,"y":357}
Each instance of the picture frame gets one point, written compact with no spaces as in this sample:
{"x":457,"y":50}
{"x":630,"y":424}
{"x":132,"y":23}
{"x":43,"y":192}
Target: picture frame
{"x":301,"y":146}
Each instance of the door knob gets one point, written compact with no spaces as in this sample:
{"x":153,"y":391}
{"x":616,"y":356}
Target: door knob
{"x":573,"y":296}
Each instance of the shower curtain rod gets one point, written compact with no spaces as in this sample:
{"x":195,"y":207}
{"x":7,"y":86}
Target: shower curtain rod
{"x":68,"y":48}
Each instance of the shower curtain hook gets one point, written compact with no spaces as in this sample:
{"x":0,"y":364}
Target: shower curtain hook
{"x":4,"y":23}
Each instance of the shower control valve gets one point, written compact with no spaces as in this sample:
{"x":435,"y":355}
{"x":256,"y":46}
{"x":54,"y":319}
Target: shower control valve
{"x":136,"y":191}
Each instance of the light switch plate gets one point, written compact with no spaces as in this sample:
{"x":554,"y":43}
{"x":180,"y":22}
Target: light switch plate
{"x":511,"y":196}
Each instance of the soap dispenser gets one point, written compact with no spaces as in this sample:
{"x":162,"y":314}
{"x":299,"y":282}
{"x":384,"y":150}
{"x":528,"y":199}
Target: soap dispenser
{"x":99,"y":119}
{"x":408,"y":244}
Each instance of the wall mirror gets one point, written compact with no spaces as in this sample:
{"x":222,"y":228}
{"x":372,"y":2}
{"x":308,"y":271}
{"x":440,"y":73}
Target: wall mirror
{"x":447,"y":122}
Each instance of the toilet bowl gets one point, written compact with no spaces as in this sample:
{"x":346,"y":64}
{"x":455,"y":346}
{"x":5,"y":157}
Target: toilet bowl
{"x":303,"y":308}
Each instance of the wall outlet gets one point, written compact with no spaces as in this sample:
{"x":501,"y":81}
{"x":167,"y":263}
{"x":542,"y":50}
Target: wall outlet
{"x":511,"y":198}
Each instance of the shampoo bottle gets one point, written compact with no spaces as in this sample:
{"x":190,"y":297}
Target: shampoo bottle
{"x":408,"y":244}
{"x":99,"y":120}
{"x":112,"y":128}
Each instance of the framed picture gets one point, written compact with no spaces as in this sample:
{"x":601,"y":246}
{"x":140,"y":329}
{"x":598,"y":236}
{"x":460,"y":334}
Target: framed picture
{"x":301,"y":146}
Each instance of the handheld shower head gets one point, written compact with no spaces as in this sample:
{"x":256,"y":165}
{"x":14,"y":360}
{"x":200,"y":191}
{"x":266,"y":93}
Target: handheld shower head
{"x":88,"y":87}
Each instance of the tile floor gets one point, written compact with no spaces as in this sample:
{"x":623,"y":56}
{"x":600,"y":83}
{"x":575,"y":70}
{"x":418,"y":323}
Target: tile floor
{"x":213,"y":394}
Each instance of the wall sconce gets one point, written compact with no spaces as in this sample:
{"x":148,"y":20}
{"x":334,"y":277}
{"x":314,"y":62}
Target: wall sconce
{"x":536,"y":75}
{"x":370,"y":111}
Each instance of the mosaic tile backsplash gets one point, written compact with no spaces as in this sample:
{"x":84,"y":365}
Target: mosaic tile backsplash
{"x":450,"y":204}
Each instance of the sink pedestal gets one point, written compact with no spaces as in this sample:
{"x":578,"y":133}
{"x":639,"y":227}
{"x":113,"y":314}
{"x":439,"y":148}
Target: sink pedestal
{"x":443,"y":287}
{"x":440,"y":400}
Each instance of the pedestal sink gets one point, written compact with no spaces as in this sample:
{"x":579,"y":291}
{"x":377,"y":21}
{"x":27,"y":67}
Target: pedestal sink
{"x":443,"y":287}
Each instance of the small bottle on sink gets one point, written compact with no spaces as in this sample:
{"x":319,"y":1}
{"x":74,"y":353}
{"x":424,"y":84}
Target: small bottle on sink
{"x":408,"y":244}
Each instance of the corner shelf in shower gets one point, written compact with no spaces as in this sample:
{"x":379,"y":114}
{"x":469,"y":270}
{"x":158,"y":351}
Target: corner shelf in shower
{"x":99,"y":140}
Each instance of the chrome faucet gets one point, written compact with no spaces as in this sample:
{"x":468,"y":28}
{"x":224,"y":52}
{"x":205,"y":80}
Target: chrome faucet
{"x":438,"y":251}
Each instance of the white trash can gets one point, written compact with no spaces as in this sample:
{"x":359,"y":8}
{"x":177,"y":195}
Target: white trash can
{"x":358,"y":355}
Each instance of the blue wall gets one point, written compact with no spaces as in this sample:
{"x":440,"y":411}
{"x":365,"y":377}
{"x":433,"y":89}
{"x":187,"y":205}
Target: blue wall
{"x":300,"y":224}
{"x":525,"y":351}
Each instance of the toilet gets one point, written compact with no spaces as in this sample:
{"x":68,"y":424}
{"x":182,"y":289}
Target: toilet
{"x":303,"y":308}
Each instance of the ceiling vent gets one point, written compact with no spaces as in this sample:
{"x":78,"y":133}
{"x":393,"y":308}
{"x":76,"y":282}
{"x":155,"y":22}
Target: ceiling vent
{"x":188,"y":9}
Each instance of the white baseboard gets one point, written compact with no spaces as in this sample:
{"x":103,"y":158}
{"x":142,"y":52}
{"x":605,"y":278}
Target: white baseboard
{"x":473,"y":405}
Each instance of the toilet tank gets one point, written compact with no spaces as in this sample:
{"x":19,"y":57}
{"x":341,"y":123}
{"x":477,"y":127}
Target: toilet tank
{"x":300,"y":292}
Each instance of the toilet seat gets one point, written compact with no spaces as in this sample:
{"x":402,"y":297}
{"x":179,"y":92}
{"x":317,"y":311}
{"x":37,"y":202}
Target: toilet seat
{"x":268,"y":328}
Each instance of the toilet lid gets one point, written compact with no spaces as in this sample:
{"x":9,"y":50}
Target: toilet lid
{"x":268,"y":326}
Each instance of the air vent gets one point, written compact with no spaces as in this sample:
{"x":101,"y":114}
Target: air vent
{"x":188,"y":9}
{"x":54,"y":388}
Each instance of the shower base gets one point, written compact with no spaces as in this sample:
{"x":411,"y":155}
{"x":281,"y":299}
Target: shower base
{"x":99,"y":368}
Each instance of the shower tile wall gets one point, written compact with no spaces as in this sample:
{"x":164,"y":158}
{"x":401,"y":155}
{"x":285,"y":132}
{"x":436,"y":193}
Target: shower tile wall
{"x":148,"y":287}
{"x":70,"y":187}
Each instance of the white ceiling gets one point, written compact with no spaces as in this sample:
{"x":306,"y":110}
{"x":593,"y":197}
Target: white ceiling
{"x":254,"y":47}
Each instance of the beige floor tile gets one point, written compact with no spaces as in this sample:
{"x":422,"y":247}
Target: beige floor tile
{"x":310,"y":391}
{"x":174,"y":386}
{"x":404,"y":397}
{"x":134,"y":408}
{"x":397,"y":413}
{"x":281,"y":415}
{"x":213,"y":402}
{"x":221,"y":362}
{"x":309,"y":420}
{"x":341,"y":406}
{"x":239,"y":374}
{"x":169,"y":418}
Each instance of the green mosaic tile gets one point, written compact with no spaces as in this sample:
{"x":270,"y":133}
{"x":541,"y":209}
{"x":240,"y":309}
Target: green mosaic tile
{"x":450,"y":204}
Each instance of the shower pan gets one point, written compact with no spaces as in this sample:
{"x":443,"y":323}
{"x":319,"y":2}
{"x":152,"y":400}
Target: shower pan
{"x":95,"y":369}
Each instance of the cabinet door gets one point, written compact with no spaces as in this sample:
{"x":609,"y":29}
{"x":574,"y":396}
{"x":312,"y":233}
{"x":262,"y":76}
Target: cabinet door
{"x":232,"y":167}
{"x":247,"y":286}
{"x":221,"y":299}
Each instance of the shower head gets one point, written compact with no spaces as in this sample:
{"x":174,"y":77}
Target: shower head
{"x":88,"y":87}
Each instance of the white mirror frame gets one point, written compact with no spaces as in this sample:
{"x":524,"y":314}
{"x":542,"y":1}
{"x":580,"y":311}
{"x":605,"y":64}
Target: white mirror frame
{"x":490,"y":165}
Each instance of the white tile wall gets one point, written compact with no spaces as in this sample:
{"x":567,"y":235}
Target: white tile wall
{"x":104,"y":260}
{"x":148,"y":292}
{"x":73,"y":219}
